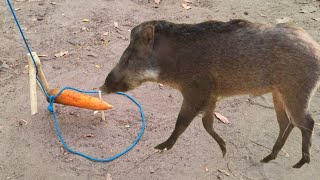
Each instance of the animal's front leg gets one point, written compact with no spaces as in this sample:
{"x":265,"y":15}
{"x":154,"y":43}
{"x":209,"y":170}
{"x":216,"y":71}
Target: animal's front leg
{"x":188,"y":112}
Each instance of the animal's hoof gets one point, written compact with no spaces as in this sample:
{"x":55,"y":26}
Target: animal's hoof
{"x":267,"y":159}
{"x":302,"y":161}
{"x":163,"y":146}
{"x":223,"y":149}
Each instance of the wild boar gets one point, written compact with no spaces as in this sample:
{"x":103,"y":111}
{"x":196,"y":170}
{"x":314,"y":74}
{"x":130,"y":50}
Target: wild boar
{"x":212,"y":60}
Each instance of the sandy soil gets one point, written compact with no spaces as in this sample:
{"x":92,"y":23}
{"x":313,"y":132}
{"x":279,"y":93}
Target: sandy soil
{"x":29,"y":145}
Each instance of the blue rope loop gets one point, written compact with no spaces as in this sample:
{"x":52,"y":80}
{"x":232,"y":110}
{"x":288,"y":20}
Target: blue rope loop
{"x":52,"y":99}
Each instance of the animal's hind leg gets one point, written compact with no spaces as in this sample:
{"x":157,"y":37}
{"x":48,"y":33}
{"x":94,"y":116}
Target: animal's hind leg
{"x":298,"y":110}
{"x":207,"y":121}
{"x":285,"y":126}
{"x":306,"y":128}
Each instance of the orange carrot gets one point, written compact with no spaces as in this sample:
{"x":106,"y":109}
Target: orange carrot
{"x":81,"y":100}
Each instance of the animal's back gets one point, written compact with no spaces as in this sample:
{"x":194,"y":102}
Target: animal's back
{"x":244,"y":57}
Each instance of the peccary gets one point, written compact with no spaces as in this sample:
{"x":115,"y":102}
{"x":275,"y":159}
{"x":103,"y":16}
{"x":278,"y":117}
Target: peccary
{"x":212,"y":60}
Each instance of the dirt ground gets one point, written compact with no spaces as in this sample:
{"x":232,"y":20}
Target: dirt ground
{"x":29,"y":145}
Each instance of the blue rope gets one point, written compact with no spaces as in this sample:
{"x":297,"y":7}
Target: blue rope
{"x":51,"y":105}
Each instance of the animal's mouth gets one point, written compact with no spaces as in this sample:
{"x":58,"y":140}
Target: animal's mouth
{"x":104,"y":89}
{"x":112,"y":89}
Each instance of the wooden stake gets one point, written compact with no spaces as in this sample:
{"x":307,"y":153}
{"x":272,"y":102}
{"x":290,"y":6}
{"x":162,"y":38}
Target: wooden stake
{"x":33,"y":87}
{"x":103,"y":117}
{"x":41,"y":75}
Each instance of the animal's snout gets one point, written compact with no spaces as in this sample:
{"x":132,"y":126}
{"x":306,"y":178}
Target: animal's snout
{"x":114,"y":83}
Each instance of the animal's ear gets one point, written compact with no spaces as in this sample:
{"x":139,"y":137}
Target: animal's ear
{"x":148,"y":34}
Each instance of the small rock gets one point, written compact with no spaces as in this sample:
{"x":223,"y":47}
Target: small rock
{"x":56,"y":67}
{"x":246,"y":13}
{"x":152,"y":170}
{"x":3,"y":65}
{"x":20,"y":123}
{"x":84,"y":29}
{"x":62,"y":150}
{"x":74,"y":113}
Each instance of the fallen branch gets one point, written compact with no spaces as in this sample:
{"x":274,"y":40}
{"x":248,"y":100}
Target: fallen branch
{"x":260,"y":145}
{"x":286,"y":153}
{"x":134,"y":167}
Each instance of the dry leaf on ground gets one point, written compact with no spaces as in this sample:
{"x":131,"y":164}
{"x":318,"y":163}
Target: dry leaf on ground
{"x":90,"y":135}
{"x":157,"y":1}
{"x":108,"y":177}
{"x":62,"y":53}
{"x":116,"y":24}
{"x":84,"y":29}
{"x":316,"y":19}
{"x":285,"y":152}
{"x":221,"y":118}
{"x":186,"y":6}
{"x":85,"y":20}
{"x":284,"y":20}
{"x":224,"y":172}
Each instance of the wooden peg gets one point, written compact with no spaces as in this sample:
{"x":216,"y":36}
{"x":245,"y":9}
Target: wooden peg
{"x":33,"y":87}
{"x":103,"y":117}
{"x":41,"y":75}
